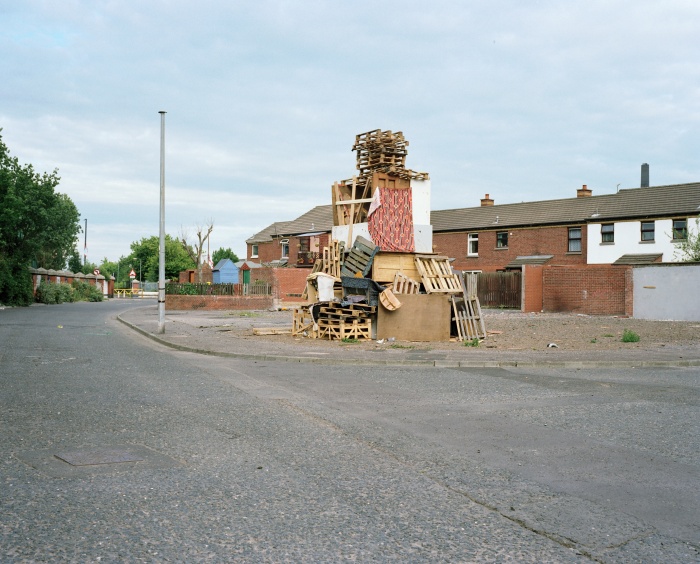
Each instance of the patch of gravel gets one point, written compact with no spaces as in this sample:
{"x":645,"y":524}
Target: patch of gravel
{"x":507,"y":330}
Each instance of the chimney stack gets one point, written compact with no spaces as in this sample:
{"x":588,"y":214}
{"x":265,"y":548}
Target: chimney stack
{"x":584,"y":192}
{"x":486,"y":201}
{"x":645,"y":176}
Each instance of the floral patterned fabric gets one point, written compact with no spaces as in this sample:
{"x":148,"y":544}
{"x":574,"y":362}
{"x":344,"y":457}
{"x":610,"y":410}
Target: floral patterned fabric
{"x":391,"y":223}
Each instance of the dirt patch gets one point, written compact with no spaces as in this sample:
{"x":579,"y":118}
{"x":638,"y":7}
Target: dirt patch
{"x":518,"y":331}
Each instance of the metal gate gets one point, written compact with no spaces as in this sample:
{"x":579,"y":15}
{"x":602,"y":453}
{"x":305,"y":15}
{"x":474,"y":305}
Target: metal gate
{"x":500,"y":289}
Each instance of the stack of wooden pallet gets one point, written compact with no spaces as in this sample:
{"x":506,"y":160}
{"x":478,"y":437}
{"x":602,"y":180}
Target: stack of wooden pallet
{"x":378,"y":152}
{"x":377,"y":149}
{"x":352,"y":321}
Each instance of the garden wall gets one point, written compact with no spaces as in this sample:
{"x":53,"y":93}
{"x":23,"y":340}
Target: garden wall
{"x":177,"y":302}
{"x":590,"y":289}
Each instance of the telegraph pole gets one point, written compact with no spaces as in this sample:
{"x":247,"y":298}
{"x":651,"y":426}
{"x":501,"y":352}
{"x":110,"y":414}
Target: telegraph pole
{"x":161,"y":244}
{"x":85,"y":245}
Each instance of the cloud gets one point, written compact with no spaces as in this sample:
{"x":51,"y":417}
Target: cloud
{"x":264,"y":99}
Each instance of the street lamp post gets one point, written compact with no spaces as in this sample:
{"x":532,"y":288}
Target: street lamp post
{"x":161,"y":242}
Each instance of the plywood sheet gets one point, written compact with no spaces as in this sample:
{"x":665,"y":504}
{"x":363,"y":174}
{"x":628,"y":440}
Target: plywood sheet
{"x":421,"y":317}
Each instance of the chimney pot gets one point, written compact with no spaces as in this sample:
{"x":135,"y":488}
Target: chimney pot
{"x":486,"y":201}
{"x":584,"y":192}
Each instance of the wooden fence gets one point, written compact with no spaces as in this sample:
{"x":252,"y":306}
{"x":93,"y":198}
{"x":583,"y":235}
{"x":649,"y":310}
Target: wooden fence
{"x":500,"y":289}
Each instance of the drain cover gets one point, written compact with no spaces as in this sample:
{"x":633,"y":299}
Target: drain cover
{"x":101,"y":456}
{"x":104,"y":459}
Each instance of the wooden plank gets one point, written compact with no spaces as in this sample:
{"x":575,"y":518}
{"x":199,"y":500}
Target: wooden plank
{"x":272,"y":330}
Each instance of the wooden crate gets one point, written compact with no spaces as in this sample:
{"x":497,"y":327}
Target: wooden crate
{"x":386,"y":264}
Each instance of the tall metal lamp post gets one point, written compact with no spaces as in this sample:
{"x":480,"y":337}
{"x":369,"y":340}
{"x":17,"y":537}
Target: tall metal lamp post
{"x":161,"y":242}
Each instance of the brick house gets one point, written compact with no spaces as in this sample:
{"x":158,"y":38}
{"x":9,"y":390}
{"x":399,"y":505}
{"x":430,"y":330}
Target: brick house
{"x":632,"y":226}
{"x":295,"y":243}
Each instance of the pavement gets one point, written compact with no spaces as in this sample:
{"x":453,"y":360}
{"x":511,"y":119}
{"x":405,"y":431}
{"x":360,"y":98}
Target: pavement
{"x":230,"y":334}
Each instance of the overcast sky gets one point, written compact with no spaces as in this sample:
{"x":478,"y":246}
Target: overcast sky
{"x":521,"y":100}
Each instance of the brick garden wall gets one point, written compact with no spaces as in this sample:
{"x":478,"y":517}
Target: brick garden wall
{"x":592,"y":290}
{"x":175,"y":302}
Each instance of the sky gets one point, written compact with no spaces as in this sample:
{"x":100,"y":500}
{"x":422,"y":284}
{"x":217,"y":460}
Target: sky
{"x":524,"y":101}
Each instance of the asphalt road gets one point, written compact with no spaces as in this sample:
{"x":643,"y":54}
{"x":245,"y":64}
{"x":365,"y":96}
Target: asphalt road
{"x":118,"y":449}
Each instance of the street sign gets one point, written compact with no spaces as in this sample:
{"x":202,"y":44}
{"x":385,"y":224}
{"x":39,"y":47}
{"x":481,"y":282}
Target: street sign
{"x":132,"y":274}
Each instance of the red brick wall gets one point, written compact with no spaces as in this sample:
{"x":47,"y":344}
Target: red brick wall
{"x":267,"y":252}
{"x":175,"y":302}
{"x":521,"y":242}
{"x":290,"y":283}
{"x":592,"y":290}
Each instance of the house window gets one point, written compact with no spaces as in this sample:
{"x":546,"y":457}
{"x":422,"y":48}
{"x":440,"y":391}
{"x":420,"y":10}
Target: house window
{"x":574,"y":239}
{"x":680,"y":229}
{"x":254,"y":251}
{"x":647,"y":230}
{"x":502,"y":240}
{"x":607,"y":233}
{"x":473,"y":245}
{"x":284,"y":243}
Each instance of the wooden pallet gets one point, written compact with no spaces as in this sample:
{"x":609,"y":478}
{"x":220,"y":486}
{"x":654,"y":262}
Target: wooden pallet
{"x":436,"y":274}
{"x":468,"y":319}
{"x":332,"y":260}
{"x":303,"y":324}
{"x":349,"y":310}
{"x":346,"y":328}
{"x":405,"y":285}
{"x":358,"y":262}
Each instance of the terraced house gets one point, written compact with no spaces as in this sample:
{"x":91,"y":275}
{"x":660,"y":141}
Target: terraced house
{"x":631,"y":226}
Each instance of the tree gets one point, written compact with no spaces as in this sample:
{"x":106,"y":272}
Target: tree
{"x":144,"y":257}
{"x":689,"y":250}
{"x":37,"y":226}
{"x":195,"y":250}
{"x":222,"y":253}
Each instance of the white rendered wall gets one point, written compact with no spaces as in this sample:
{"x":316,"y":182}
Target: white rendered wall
{"x":628,"y":235}
{"x":667,"y":292}
{"x":421,"y":202}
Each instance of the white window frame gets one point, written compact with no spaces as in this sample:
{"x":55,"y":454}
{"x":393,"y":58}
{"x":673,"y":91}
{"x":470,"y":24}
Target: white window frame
{"x":472,"y":238}
{"x":284,"y":243}
{"x":254,"y":251}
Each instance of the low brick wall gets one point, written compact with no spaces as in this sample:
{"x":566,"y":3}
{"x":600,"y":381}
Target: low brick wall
{"x":592,"y":290}
{"x":175,"y":302}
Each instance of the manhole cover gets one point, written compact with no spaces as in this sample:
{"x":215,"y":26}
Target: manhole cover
{"x":102,"y":456}
{"x":77,"y":461}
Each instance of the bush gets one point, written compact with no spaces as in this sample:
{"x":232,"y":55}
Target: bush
{"x":47,"y":293}
{"x":86,"y":292}
{"x":65,"y":293}
{"x":630,"y":336}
